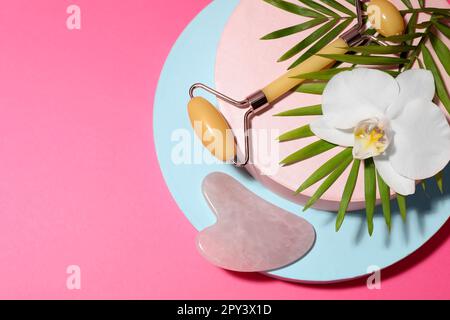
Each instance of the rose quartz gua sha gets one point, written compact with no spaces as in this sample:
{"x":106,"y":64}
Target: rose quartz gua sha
{"x":251,"y":234}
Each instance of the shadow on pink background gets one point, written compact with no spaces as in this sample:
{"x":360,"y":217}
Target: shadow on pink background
{"x":79,"y":179}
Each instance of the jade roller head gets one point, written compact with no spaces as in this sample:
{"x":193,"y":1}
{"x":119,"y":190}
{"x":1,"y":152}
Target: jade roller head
{"x":211,"y":126}
{"x":213,"y":129}
{"x":385,"y":18}
{"x":382,"y":15}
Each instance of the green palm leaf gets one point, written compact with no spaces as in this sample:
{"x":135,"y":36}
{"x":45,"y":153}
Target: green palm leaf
{"x":403,"y":38}
{"x":445,"y":30}
{"x":294,"y":29}
{"x":326,"y":169}
{"x":312,"y":87}
{"x":340,"y":7}
{"x":423,"y":25}
{"x":440,"y":181}
{"x":299,"y":133}
{"x":293,"y":8}
{"x":329,"y":181}
{"x":307,"y":152}
{"x":315,"y":110}
{"x":392,"y":73}
{"x":313,"y":37}
{"x":324,"y":41}
{"x":365,"y":60}
{"x":424,"y":185}
{"x":440,"y":11}
{"x":370,"y":185}
{"x":348,"y":193}
{"x":442,"y":51}
{"x":440,"y":85}
{"x":327,"y":74}
{"x":385,"y":194}
{"x":320,"y":8}
{"x":322,"y":75}
{"x":401,"y":201}
{"x":407,"y":3}
{"x":412,"y":25}
{"x":375,"y":49}
{"x":411,"y":29}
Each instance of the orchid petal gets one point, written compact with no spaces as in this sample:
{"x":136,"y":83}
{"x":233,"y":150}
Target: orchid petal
{"x":356,"y":95}
{"x":321,"y":129}
{"x":414,"y":84}
{"x":421,"y":140}
{"x":394,"y":180}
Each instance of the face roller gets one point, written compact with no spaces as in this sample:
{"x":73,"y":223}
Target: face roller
{"x":212,"y":128}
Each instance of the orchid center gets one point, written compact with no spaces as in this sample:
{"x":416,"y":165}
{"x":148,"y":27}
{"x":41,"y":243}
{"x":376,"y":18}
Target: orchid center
{"x":371,"y":138}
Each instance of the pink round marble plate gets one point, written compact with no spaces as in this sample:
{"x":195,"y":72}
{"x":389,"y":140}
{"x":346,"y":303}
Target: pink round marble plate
{"x":245,"y":64}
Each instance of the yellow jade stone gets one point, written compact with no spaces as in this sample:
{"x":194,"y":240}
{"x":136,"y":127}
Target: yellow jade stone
{"x":385,"y":18}
{"x":212,"y":129}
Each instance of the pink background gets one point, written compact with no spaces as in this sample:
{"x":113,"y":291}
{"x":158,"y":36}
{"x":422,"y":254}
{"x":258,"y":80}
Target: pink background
{"x":80,"y":182}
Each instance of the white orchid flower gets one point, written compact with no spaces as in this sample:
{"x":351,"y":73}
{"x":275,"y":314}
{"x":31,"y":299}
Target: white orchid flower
{"x":392,"y":120}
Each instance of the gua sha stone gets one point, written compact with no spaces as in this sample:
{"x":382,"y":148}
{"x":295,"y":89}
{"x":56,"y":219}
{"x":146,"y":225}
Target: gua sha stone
{"x":251,"y":234}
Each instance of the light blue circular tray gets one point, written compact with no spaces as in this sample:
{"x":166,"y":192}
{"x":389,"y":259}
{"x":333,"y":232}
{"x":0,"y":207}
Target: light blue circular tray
{"x":336,"y":256}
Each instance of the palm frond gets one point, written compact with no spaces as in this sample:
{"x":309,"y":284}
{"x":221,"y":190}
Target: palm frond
{"x":365,"y":60}
{"x":324,"y":41}
{"x":294,"y":29}
{"x":298,"y":133}
{"x":328,"y":19}
{"x":326,"y":169}
{"x":336,"y":5}
{"x":313,"y":37}
{"x":308,"y":152}
{"x":293,"y":8}
{"x":329,"y":181}
{"x":319,"y":8}
{"x":401,"y":201}
{"x":440,"y":85}
{"x":315,"y":110}
{"x":312,"y":87}
{"x":348,"y":193}
{"x":370,"y":185}
{"x":385,"y":194}
{"x":440,"y":181}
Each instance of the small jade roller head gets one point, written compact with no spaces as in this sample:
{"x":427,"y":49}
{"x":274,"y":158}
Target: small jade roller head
{"x":212,"y":129}
{"x":385,"y":18}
